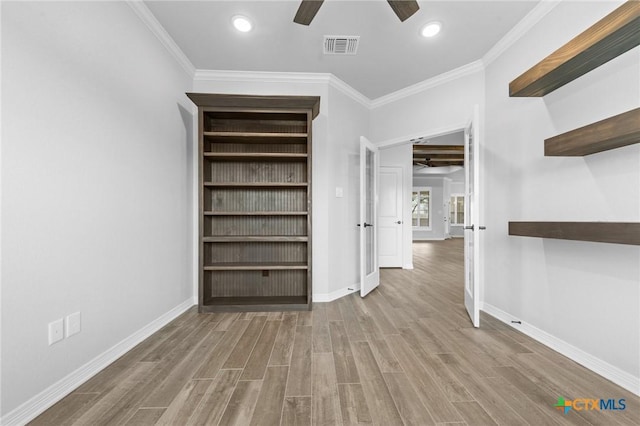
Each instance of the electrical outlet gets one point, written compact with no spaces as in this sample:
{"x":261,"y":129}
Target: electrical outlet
{"x":56,"y":331}
{"x":72,"y":324}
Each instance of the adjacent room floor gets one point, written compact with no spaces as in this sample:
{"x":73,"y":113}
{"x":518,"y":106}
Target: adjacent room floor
{"x":406,"y":354}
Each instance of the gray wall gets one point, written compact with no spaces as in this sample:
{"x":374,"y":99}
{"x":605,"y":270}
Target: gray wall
{"x":583,"y":296}
{"x":96,"y":185}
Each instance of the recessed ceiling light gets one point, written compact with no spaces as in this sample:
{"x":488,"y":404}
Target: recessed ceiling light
{"x":242,"y":23}
{"x":431,"y":29}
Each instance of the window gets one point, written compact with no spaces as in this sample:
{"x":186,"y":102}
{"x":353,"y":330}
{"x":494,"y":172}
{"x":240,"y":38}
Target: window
{"x":456,"y":214}
{"x":421,"y":208}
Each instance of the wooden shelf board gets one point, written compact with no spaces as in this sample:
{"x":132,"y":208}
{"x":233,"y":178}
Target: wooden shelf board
{"x":244,"y":266}
{"x":256,"y":238}
{"x":273,"y":213}
{"x":257,"y":135}
{"x":254,"y":156}
{"x":610,"y":133}
{"x":257,"y":103}
{"x":610,"y":37}
{"x":602,"y":232}
{"x":255,"y":304}
{"x":257,"y":184}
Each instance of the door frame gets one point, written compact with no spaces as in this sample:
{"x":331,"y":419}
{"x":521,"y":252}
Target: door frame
{"x":433,"y":132}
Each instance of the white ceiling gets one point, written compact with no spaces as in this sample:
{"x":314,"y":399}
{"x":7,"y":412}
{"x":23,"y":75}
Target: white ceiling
{"x":391,"y":56}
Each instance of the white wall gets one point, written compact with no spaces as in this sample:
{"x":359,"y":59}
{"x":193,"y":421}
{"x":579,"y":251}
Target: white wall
{"x":348,"y":120}
{"x":583,"y":294}
{"x":441,"y":109}
{"x":95,"y":185}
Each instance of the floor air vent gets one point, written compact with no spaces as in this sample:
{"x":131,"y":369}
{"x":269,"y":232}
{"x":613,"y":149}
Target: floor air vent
{"x":341,"y":45}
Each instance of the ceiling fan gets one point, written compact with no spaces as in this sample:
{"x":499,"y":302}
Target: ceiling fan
{"x":308,"y":9}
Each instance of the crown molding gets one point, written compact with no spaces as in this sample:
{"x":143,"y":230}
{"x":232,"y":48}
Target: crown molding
{"x":343,"y":87}
{"x":521,"y":28}
{"x":430,"y":83}
{"x":158,"y":30}
{"x":283,"y":77}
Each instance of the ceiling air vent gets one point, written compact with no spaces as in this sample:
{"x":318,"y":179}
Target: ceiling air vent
{"x":341,"y":45}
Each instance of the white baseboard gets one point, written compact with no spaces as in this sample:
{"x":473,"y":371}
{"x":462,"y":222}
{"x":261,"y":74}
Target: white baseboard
{"x":407,"y":266}
{"x":328,"y":297}
{"x":54,"y":393}
{"x":603,"y":368}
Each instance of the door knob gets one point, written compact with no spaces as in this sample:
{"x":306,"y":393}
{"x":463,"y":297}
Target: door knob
{"x":399,"y":222}
{"x":469,"y":227}
{"x":367,"y":224}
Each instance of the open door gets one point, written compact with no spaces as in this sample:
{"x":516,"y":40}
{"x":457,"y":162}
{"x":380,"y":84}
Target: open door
{"x":472,"y":226}
{"x":369,"y":269}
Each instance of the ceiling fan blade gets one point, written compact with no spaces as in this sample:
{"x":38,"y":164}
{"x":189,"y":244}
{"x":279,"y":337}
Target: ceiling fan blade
{"x":404,"y":8}
{"x":307,"y":11}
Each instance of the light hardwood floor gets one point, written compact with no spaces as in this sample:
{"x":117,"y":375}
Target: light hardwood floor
{"x":406,"y":354}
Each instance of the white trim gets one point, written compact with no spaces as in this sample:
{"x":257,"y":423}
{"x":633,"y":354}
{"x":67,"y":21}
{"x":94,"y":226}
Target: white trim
{"x":520,"y":29}
{"x":432,"y":133}
{"x":428,"y":239}
{"x":430,"y":83}
{"x":54,"y":393}
{"x":158,"y":30}
{"x":340,"y":85}
{"x":283,"y":77}
{"x":603,"y":368}
{"x":407,"y":266}
{"x":328,"y":297}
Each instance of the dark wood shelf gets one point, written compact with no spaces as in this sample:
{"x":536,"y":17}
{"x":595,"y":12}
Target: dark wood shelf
{"x":255,"y":303}
{"x":258,"y":103}
{"x":256,"y":137}
{"x":245,"y":266}
{"x":610,"y":133}
{"x":254,"y":156}
{"x":274,"y":213}
{"x":610,"y":37}
{"x":602,"y":232}
{"x":256,"y":238}
{"x":254,"y":178}
{"x":257,"y":184}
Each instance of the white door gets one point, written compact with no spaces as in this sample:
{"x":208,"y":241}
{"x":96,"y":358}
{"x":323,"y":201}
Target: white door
{"x":390,"y":217}
{"x":472,"y":226}
{"x":369,"y":269}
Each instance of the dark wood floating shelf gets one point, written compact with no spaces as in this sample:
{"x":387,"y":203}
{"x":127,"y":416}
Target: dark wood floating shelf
{"x":274,"y":213}
{"x":610,"y":37}
{"x":244,"y":266}
{"x":257,"y":184}
{"x":253,"y":156}
{"x":256,"y":238}
{"x":610,"y":133}
{"x":601,"y":232}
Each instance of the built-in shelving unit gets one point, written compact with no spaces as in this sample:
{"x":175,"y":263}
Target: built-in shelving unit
{"x":602,"y":232}
{"x":610,"y":37}
{"x":255,"y":202}
{"x":614,"y":132}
